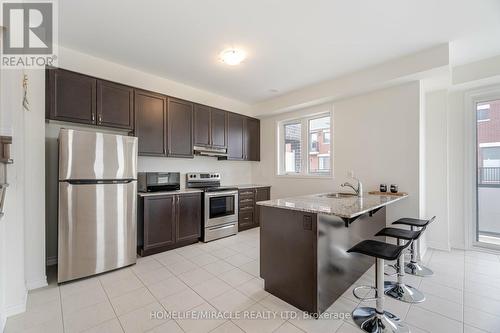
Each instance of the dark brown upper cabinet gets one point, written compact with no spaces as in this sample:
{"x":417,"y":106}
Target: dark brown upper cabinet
{"x":150,"y":123}
{"x":218,"y":128}
{"x":235,"y":136}
{"x":243,"y":138}
{"x":115,"y":105}
{"x":202,"y":125}
{"x":70,"y":96}
{"x":251,"y":148}
{"x":180,"y":128}
{"x":210,"y":127}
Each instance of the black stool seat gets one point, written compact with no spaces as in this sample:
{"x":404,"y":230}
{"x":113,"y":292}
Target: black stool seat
{"x":414,"y":222}
{"x":399,"y":233}
{"x":377,"y":249}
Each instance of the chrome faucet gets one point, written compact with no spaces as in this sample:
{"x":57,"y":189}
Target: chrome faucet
{"x":359,"y":190}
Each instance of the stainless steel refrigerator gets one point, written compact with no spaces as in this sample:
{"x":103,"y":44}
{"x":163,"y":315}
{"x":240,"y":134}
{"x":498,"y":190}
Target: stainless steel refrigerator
{"x":97,"y":203}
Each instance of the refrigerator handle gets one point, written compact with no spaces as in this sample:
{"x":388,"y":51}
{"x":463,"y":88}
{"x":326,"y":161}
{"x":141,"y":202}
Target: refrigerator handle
{"x":103,"y":181}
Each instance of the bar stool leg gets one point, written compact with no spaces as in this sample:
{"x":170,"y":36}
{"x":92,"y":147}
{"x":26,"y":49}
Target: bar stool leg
{"x":376,"y":320}
{"x":399,"y":290}
{"x":413,"y":267}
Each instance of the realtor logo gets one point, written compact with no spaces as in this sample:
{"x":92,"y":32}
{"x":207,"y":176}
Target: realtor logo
{"x":28,"y":34}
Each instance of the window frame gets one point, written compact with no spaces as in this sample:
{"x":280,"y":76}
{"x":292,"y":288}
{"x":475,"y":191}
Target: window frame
{"x":304,"y":147}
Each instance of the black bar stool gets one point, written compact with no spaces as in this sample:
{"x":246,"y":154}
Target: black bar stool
{"x":414,"y":267}
{"x":398,"y":289}
{"x":377,"y":320}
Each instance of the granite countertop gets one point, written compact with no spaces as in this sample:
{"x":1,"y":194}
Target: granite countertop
{"x":182,"y":190}
{"x":345,"y":207}
{"x":244,"y":186}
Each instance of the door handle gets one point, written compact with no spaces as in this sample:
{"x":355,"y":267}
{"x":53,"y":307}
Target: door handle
{"x":100,"y":118}
{"x":93,"y":116}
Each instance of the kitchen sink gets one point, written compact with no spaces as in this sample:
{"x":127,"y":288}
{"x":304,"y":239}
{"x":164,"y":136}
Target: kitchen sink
{"x":337,"y":195}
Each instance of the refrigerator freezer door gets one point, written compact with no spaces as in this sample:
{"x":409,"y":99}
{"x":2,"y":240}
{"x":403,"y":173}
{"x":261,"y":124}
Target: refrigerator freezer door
{"x":97,"y":228}
{"x":92,"y":155}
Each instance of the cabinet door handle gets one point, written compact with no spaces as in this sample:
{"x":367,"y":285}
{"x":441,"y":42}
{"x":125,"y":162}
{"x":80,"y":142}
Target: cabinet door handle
{"x":93,"y":116}
{"x":100,"y":118}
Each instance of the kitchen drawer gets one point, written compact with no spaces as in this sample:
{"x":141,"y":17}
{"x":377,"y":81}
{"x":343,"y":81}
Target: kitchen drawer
{"x":245,"y":194}
{"x":246,"y":201}
{"x":246,"y":208}
{"x":245,"y":220}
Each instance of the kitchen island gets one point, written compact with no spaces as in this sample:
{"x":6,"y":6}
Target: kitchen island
{"x":303,"y":244}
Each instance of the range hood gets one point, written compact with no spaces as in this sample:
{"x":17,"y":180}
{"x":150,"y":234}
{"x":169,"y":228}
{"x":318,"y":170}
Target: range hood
{"x":210,"y":151}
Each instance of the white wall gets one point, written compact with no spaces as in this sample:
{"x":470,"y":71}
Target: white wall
{"x":34,"y":196}
{"x":12,"y":269}
{"x":436,"y":169}
{"x":376,"y":135}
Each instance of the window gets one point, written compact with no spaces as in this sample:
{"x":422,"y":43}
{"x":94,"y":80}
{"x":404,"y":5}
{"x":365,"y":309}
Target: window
{"x":326,"y":137}
{"x":305,"y":147}
{"x":483,"y":112}
{"x":293,"y":142}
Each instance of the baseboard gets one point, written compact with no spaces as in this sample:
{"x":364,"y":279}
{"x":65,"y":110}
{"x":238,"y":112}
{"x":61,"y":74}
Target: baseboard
{"x":12,"y":310}
{"x":51,"y":261}
{"x":438,"y":245}
{"x":3,"y":320}
{"x":37,"y":283}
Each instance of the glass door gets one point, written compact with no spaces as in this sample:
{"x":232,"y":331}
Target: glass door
{"x":488,"y":173}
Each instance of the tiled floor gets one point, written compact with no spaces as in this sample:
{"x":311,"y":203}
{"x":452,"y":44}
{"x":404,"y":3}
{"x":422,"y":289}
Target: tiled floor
{"x":463,"y":296}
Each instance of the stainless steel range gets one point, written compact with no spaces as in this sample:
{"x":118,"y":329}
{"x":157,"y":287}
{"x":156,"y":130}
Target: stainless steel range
{"x":220,"y":218}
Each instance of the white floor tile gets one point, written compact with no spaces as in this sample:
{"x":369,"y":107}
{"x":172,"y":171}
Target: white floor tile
{"x":482,"y":320}
{"x":254,"y":289}
{"x":154,"y":276}
{"x":431,"y":321}
{"x":131,"y":301}
{"x":201,"y":324}
{"x":112,"y":326}
{"x":232,"y":301}
{"x":195,"y":276}
{"x":183,"y":301}
{"x":169,"y":327}
{"x":218,"y":267}
{"x":235,"y":277}
{"x":262,"y":320}
{"x":167,"y":287}
{"x":288,"y":328}
{"x":141,"y":320}
{"x":442,"y":306}
{"x":238,"y":259}
{"x":122,"y":286}
{"x":211,"y":288}
{"x":228,"y":327}
{"x":88,"y":317}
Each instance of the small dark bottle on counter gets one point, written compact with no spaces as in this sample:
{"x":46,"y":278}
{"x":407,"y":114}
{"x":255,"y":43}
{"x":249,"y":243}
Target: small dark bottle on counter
{"x":394,"y":188}
{"x":383,"y":188}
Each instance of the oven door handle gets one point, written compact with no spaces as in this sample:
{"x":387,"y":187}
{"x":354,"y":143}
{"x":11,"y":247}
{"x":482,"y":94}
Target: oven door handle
{"x":222,"y":227}
{"x":220,"y":194}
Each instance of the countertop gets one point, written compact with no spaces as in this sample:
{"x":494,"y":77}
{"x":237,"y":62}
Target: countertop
{"x":346,"y":207}
{"x":185,"y":190}
{"x":244,"y":186}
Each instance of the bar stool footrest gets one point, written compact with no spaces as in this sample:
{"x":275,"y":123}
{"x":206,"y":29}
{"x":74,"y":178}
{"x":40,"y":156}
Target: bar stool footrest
{"x":355,"y":290}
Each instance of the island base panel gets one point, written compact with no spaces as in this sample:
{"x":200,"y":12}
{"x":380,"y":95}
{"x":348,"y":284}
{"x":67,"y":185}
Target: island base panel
{"x":304,"y":259}
{"x":288,"y":252}
{"x":337,"y":269}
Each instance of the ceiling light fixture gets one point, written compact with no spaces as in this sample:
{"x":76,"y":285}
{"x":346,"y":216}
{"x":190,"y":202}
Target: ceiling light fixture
{"x":232,"y":57}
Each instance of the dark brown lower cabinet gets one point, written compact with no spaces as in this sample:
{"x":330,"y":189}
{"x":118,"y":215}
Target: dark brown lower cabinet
{"x":248,"y":210}
{"x":168,"y":221}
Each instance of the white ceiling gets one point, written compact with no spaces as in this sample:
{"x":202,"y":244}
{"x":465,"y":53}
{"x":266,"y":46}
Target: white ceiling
{"x":291,"y":43}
